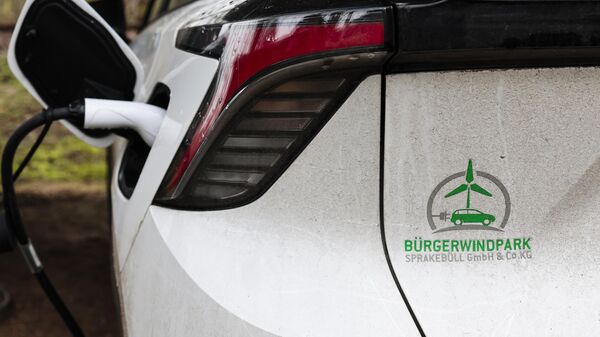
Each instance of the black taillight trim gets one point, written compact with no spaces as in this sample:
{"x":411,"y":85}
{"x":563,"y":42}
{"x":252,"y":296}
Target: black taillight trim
{"x":249,"y":95}
{"x":255,"y":57}
{"x":461,"y":35}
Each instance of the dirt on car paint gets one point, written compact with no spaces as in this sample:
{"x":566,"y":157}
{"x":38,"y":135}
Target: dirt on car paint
{"x":69,"y":227}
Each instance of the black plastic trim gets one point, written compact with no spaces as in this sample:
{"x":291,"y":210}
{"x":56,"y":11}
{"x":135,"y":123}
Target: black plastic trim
{"x":461,"y":34}
{"x":255,"y":9}
{"x":194,"y":39}
{"x":309,"y":66}
{"x":207,"y":40}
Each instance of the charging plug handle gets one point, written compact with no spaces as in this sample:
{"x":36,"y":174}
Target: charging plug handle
{"x":145,"y":119}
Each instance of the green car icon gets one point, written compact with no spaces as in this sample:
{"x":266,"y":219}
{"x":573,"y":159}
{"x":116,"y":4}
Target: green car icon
{"x":469,"y":215}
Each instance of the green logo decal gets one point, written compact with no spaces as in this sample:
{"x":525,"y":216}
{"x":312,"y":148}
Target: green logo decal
{"x":478,"y":188}
{"x":470,"y":200}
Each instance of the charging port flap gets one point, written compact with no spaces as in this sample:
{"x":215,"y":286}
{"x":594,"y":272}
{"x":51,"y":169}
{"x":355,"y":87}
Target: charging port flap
{"x":62,"y":51}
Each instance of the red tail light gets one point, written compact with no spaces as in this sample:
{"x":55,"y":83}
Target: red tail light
{"x":279,"y":81}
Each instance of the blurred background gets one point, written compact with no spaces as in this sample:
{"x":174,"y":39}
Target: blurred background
{"x":64,"y":204}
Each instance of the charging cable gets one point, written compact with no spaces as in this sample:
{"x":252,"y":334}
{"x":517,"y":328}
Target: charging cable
{"x":93,"y":114}
{"x":72,"y":113}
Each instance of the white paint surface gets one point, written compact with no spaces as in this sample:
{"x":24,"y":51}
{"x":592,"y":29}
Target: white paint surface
{"x":188,"y":76}
{"x":538,"y":131}
{"x":306,"y":259}
{"x":161,"y":300}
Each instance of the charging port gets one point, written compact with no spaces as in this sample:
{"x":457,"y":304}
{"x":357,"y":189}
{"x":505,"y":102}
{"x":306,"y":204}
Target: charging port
{"x":136,"y":151}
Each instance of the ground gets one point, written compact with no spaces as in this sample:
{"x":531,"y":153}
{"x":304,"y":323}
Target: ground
{"x":69,"y":227}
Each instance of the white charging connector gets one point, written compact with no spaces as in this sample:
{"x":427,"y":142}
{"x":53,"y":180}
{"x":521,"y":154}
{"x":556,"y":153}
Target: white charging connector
{"x":145,"y":119}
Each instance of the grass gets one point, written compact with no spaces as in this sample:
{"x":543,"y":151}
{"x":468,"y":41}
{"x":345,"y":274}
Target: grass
{"x":62,"y":157}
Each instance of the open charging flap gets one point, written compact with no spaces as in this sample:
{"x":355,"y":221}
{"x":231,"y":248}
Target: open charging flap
{"x":63,"y":50}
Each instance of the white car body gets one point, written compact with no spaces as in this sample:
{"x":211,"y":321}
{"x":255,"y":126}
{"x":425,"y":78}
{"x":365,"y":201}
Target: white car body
{"x":493,"y":101}
{"x":289,"y":263}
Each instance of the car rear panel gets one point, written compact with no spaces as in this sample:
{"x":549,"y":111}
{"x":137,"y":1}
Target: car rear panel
{"x":471,"y":123}
{"x":533,"y":131}
{"x":491,"y":169}
{"x":305,"y":259}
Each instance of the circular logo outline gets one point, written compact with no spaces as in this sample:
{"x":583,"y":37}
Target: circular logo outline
{"x":443,"y":183}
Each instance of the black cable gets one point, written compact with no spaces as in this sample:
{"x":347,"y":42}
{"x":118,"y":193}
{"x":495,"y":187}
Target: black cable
{"x":5,"y":298}
{"x":13,"y":216}
{"x":58,"y":304}
{"x":32,"y":151}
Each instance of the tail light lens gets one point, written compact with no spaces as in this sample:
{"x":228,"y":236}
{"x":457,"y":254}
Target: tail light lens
{"x":279,"y":81}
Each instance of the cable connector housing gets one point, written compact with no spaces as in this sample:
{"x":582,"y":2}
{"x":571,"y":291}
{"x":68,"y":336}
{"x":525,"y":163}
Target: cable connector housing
{"x":31,"y":257}
{"x":145,"y":119}
{"x":74,"y":112}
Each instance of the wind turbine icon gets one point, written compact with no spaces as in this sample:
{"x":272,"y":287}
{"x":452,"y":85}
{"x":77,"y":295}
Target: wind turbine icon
{"x":469,"y":186}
